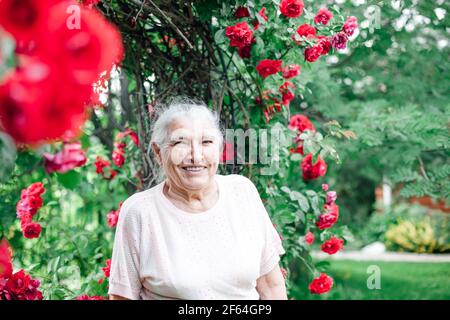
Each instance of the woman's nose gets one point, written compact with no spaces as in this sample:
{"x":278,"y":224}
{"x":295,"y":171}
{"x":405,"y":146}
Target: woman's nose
{"x":196,"y":153}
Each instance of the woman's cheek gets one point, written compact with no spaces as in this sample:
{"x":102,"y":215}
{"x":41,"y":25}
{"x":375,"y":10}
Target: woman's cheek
{"x":177,"y":154}
{"x":212,"y":154}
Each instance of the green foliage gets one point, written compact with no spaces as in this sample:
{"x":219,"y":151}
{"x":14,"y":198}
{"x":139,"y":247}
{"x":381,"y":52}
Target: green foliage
{"x":409,"y":227}
{"x":417,"y":237}
{"x":392,"y":92}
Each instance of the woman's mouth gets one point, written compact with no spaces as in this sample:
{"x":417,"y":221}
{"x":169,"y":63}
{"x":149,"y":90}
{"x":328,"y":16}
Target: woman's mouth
{"x":194,"y":168}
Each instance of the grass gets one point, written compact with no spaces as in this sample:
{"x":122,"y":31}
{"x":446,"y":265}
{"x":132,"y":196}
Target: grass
{"x":399,"y":281}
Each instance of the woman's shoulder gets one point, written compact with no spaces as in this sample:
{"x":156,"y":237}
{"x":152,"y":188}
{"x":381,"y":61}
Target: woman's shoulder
{"x":135,"y":204}
{"x":237,"y":182}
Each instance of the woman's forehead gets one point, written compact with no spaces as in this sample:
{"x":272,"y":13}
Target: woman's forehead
{"x":191,"y":128}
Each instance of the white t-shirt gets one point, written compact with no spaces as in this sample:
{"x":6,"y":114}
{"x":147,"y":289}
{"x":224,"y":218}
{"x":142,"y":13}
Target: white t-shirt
{"x":163,"y":252}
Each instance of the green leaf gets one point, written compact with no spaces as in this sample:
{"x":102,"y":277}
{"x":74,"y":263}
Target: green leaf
{"x":53,"y":264}
{"x":301,"y":199}
{"x":285,"y":189}
{"x":259,"y":44}
{"x":85,"y":141}
{"x":322,"y":265}
{"x":69,"y":180}
{"x":219,"y":37}
{"x":301,"y":215}
{"x":314,"y":201}
{"x":7,"y":156}
{"x":132,"y":85}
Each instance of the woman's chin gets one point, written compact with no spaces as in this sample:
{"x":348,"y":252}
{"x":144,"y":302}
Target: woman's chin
{"x":195,"y":180}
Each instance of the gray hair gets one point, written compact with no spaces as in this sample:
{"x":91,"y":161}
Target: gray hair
{"x":180,"y":108}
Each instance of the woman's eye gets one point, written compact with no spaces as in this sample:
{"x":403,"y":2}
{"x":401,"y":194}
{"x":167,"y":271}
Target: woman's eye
{"x":207,"y":141}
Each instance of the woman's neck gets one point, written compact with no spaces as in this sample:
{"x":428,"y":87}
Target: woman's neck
{"x":192,"y":200}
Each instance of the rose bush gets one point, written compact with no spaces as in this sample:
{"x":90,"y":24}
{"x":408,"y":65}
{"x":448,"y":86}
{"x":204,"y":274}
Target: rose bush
{"x":262,"y":55}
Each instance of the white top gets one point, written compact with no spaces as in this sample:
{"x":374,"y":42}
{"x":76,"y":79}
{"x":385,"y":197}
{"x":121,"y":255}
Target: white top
{"x":163,"y":252}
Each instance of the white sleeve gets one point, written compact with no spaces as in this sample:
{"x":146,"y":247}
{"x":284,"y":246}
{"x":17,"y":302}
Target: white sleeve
{"x":124,"y":277}
{"x":272,"y":247}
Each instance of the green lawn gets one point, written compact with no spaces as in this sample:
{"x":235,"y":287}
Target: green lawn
{"x":399,"y":280}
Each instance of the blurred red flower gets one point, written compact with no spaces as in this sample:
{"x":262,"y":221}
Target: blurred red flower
{"x":240,"y":35}
{"x":71,"y":156}
{"x":291,"y":8}
{"x":312,"y":171}
{"x":333,"y":245}
{"x":321,"y":284}
{"x":268,"y":67}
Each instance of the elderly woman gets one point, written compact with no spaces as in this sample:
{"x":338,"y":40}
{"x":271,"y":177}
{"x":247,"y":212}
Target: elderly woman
{"x":197,"y":234}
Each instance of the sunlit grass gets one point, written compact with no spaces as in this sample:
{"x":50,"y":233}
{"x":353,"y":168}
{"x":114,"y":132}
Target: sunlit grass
{"x":399,"y":280}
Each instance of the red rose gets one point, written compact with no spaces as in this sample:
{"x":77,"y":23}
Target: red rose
{"x":333,"y":245}
{"x":287,"y":97}
{"x":86,"y":51}
{"x":5,"y":260}
{"x":301,"y":123}
{"x":325,"y":44}
{"x":323,"y":16}
{"x":298,"y":149}
{"x":325,"y":187}
{"x":37,"y":105}
{"x":304,"y":30}
{"x":130,"y":133}
{"x":25,"y":218}
{"x":331,"y":208}
{"x":90,"y":2}
{"x":312,"y":171}
{"x":268,"y":67}
{"x":291,"y":8}
{"x":100,"y":164}
{"x":350,"y":25}
{"x":262,"y":13}
{"x":241,"y":12}
{"x":118,"y":157}
{"x":339,"y":40}
{"x":34,"y":189}
{"x":291,"y":71}
{"x":244,"y":52}
{"x":32,"y":292}
{"x":309,"y":237}
{"x":134,"y":137}
{"x":71,"y":156}
{"x":24,"y":19}
{"x":106,"y":270}
{"x":113,"y":216}
{"x":331,"y":197}
{"x":313,"y":53}
{"x":29,"y":205}
{"x":329,"y":218}
{"x":31,"y":230}
{"x":18,"y":283}
{"x":320,"y":285}
{"x":240,"y":35}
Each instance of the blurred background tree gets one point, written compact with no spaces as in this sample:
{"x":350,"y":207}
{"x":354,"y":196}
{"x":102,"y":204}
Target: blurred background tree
{"x":393,"y":93}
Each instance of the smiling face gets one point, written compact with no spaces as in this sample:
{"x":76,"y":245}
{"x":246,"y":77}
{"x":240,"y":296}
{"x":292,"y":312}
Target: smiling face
{"x":191,"y":156}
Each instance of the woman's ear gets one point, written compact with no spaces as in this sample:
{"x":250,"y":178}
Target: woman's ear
{"x":157,"y":151}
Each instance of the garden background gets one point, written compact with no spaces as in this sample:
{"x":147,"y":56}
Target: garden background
{"x":359,"y":92}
